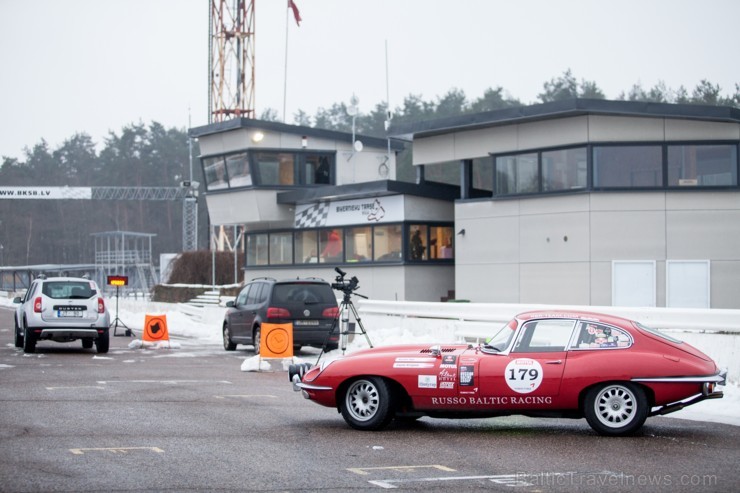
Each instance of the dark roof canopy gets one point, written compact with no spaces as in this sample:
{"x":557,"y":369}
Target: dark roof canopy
{"x":378,"y":188}
{"x":249,"y":123}
{"x":562,"y":109}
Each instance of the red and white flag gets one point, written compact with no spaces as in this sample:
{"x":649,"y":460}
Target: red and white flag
{"x":296,"y":14}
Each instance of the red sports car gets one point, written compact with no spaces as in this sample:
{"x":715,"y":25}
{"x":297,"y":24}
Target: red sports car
{"x":612,"y":371}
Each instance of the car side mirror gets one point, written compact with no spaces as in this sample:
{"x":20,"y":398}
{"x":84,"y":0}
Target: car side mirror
{"x":230,"y":304}
{"x":17,"y":299}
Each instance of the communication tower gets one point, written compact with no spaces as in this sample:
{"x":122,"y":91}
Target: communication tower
{"x":231,"y":60}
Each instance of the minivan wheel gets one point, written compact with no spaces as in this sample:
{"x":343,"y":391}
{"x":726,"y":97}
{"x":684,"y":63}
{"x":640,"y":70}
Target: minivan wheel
{"x":87,"y":343}
{"x":256,"y":337}
{"x":229,"y":345}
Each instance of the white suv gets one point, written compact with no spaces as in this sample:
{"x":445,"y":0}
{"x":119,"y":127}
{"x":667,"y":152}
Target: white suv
{"x":62,"y":309}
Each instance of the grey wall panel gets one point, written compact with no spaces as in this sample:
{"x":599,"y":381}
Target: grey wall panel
{"x":601,"y":284}
{"x":555,"y":204}
{"x":704,"y":235}
{"x":424,"y":283}
{"x":423,"y":209}
{"x":565,"y":283}
{"x":711,"y":201}
{"x":497,"y":283}
{"x":550,"y":133}
{"x":693,"y":130}
{"x":487,"y":240}
{"x":622,"y":201}
{"x":620,"y":128}
{"x":725,"y":284}
{"x":560,"y":237}
{"x":434,"y":149}
{"x":628,"y":235}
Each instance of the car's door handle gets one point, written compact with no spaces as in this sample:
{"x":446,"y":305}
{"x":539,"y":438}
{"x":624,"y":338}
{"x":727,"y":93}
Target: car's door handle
{"x":554,"y":362}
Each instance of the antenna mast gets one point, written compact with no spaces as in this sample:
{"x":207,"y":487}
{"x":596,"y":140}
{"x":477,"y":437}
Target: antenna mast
{"x":231,"y":60}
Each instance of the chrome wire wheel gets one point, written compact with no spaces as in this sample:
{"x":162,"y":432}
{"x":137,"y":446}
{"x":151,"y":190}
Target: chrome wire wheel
{"x":615,"y":406}
{"x":362,"y":400}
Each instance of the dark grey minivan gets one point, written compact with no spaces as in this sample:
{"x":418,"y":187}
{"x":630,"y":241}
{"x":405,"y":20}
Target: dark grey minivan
{"x":309,"y":304}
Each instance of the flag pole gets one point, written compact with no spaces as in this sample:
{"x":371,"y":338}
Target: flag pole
{"x":285,"y":72}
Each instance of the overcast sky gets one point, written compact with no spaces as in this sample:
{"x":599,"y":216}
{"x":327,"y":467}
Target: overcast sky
{"x":94,"y":66}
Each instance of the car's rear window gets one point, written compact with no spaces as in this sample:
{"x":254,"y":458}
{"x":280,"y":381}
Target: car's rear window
{"x":658,"y":333}
{"x":80,"y":290}
{"x":303,"y":293}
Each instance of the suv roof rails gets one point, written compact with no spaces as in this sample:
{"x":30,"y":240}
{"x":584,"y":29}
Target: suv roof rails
{"x":263,"y":278}
{"x":41,"y":276}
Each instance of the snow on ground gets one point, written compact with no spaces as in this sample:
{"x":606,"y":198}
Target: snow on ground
{"x":202,"y":327}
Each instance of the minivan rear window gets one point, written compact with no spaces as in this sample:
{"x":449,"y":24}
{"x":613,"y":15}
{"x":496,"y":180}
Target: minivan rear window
{"x":303,"y":293}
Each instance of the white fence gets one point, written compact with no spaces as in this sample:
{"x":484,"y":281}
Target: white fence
{"x":715,"y":332}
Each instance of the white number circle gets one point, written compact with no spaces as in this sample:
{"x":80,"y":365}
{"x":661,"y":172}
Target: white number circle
{"x":523,"y":375}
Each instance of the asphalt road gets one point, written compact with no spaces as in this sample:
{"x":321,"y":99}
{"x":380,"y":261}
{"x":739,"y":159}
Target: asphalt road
{"x":190,"y":420}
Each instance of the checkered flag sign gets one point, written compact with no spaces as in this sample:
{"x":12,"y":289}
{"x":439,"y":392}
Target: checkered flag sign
{"x":312,"y":216}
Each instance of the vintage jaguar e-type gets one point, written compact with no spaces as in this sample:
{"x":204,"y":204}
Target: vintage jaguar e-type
{"x":612,"y":371}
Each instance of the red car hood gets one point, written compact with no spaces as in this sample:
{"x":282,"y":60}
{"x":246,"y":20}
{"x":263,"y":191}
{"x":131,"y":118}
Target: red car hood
{"x":409,"y":349}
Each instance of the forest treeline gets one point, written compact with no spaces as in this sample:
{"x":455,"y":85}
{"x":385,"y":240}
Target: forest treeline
{"x":150,"y":155}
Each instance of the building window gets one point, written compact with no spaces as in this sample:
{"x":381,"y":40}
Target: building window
{"x":257,"y":253}
{"x":359,"y":244}
{"x":237,"y":166}
{"x":517,"y":174}
{"x":281,"y":169}
{"x":331,"y":245}
{"x":387,"y":241}
{"x":275,"y":168}
{"x":281,"y":248}
{"x":483,"y":174}
{"x":418,"y":242}
{"x":628,"y":166}
{"x":440,"y":242}
{"x":316,"y":170}
{"x":702,"y":165}
{"x":214,"y":172}
{"x":565,"y":169}
{"x":448,"y":172}
{"x":306,"y":246}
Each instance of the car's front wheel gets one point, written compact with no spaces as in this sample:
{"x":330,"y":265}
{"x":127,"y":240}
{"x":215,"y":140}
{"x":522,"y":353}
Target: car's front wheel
{"x":102,"y":343}
{"x":229,"y":345}
{"x":367,"y":404}
{"x":616,"y":409}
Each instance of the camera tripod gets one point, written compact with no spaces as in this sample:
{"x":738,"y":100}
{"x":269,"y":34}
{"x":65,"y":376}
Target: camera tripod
{"x":342,"y":320}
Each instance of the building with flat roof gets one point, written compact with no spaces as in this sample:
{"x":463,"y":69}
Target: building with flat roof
{"x":584,"y":202}
{"x":592,"y":202}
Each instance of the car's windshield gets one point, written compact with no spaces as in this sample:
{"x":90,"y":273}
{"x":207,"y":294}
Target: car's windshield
{"x":502,"y":338}
{"x":80,"y":290}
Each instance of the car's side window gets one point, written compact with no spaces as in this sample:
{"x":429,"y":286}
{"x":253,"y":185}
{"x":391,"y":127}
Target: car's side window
{"x":592,"y":335}
{"x":544,"y":336}
{"x":252,"y":296}
{"x":242,"y":298}
{"x":263,"y":292}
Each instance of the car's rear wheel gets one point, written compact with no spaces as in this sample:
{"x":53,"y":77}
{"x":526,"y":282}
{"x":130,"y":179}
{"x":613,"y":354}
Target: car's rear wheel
{"x":87,"y":343}
{"x":256,"y":338}
{"x":29,"y":341}
{"x":102,"y":343}
{"x":616,"y":409}
{"x":367,"y":404}
{"x":229,"y":345}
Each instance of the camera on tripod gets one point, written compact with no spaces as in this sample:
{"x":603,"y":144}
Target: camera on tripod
{"x":340,"y":284}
